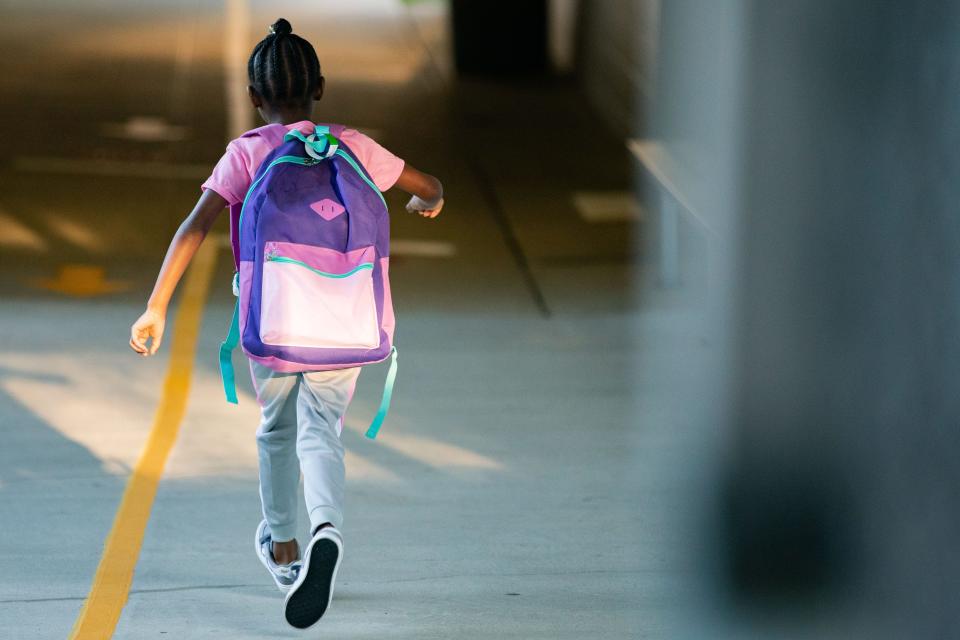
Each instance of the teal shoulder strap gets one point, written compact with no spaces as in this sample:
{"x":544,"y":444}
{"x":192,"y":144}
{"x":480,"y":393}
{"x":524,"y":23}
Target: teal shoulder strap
{"x":387,"y":396}
{"x":226,"y":356}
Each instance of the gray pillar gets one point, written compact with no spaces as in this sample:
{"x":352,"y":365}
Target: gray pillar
{"x":832,"y":502}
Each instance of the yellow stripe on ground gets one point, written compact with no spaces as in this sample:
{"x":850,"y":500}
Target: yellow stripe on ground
{"x":111,"y":584}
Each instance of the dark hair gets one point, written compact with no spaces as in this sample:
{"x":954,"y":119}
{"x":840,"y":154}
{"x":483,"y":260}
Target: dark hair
{"x":284,"y":68}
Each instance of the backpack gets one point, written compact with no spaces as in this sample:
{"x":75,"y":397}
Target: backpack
{"x":313,"y":287}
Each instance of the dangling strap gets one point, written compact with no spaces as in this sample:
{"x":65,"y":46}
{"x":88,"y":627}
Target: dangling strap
{"x":387,"y":395}
{"x":226,"y":356}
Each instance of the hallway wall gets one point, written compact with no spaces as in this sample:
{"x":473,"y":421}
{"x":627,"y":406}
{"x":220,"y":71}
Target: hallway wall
{"x":618,"y":40}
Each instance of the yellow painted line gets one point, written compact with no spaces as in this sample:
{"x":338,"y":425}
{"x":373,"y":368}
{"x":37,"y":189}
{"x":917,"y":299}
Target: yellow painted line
{"x":81,"y":281}
{"x":111,"y":584}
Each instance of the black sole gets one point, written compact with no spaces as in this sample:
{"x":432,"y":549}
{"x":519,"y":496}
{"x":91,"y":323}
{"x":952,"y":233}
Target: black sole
{"x":308,"y":603}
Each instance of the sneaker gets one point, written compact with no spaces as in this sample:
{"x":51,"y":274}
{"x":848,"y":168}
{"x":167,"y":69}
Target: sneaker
{"x":285,"y":575}
{"x":311,"y":594}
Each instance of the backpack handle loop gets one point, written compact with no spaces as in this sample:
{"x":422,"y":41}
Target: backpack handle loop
{"x":319,"y":145}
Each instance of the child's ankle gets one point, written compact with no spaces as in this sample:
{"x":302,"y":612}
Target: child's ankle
{"x":285,"y":552}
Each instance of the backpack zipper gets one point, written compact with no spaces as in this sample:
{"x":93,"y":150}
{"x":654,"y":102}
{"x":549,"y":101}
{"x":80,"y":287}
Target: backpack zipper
{"x":274,"y":257}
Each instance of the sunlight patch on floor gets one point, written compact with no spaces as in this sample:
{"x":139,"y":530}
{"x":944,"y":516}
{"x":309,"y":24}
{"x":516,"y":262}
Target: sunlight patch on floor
{"x":360,"y":469}
{"x":108,"y":411}
{"x":433,"y":453}
{"x":217,"y":439}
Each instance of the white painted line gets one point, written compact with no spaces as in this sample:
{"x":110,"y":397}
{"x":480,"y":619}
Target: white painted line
{"x":145,"y":129}
{"x":112,"y":168}
{"x":236,"y":51}
{"x":598,"y":207}
{"x":74,"y":232}
{"x":422,"y":249}
{"x":15,"y":234}
{"x":659,"y":162}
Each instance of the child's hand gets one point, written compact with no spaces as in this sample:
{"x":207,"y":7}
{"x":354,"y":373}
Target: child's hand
{"x":149,"y":325}
{"x":426,"y":209}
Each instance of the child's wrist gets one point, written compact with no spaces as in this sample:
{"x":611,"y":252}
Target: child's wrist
{"x":419,"y":204}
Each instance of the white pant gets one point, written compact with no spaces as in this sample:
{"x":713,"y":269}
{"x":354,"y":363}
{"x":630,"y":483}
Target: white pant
{"x":301,"y":417}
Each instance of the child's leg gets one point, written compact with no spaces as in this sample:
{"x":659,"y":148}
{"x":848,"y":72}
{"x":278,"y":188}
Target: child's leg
{"x":276,"y":447}
{"x":323,"y":399}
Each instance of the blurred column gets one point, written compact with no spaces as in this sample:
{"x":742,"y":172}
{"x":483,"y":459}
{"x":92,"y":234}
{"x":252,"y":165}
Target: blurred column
{"x":818,"y":142}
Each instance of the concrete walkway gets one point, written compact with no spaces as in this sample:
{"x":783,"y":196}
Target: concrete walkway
{"x":492,"y":505}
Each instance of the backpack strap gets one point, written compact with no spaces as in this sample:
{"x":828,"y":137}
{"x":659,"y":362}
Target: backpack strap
{"x":226,"y":356}
{"x":387,"y":396}
{"x":319,"y":145}
{"x":274,"y":135}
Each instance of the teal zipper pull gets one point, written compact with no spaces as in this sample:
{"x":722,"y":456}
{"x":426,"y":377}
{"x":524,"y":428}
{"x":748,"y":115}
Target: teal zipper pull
{"x":274,"y":257}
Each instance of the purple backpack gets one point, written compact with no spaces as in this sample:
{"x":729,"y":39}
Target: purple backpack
{"x":313,"y":286}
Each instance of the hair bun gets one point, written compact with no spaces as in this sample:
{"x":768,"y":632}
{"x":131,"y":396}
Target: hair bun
{"x":281,"y":27}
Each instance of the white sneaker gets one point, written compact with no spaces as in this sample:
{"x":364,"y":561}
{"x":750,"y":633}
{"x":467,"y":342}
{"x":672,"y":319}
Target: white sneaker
{"x":285,"y":575}
{"x":312,"y":592}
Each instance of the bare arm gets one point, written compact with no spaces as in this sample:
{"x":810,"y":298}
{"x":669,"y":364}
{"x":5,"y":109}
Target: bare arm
{"x":426,"y":190}
{"x":184,"y":245}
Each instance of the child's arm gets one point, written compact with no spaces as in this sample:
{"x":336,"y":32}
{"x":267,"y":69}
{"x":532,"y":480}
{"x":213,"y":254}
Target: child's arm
{"x":182,"y":248}
{"x":426,"y":190}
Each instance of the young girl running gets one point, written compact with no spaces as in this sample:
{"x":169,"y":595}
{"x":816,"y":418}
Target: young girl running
{"x":301,"y":412}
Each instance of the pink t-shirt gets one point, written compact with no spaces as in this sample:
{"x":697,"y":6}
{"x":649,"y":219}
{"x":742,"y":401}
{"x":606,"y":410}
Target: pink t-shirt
{"x":234,"y":173}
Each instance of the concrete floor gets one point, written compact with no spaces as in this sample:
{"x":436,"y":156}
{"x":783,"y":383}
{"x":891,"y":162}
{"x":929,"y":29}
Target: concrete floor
{"x":494,"y":502}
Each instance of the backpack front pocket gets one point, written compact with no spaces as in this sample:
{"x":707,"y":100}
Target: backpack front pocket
{"x":316,"y":297}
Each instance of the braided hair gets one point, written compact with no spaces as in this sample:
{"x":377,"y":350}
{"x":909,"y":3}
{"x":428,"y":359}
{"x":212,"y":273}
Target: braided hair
{"x":284,"y":67}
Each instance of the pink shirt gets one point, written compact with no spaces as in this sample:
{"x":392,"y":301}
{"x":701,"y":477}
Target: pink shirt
{"x":234,"y":173}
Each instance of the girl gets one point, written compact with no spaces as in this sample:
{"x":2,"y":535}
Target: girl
{"x":300,"y":412}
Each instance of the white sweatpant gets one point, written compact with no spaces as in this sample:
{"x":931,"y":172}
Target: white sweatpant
{"x":301,"y":417}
